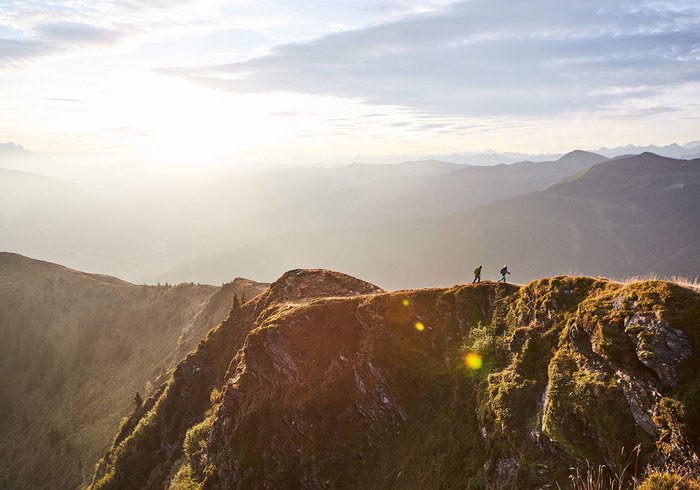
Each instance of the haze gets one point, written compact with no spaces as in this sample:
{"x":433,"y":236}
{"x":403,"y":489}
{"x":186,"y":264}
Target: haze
{"x":193,"y":83}
{"x":198,"y":141}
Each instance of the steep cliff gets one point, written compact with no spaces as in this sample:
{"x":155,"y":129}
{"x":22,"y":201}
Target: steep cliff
{"x":325,"y":381}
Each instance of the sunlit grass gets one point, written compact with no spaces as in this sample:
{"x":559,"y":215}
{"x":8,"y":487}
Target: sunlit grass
{"x":681,"y":281}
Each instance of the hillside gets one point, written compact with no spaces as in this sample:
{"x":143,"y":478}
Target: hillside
{"x":394,"y":193}
{"x":325,"y":381}
{"x":629,"y":216}
{"x":74,"y":350}
{"x":97,"y":221}
{"x":67,"y":223}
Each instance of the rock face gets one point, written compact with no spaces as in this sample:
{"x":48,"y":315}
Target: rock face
{"x":659,"y":347}
{"x":325,"y":381}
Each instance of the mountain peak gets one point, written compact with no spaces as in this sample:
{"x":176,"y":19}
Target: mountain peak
{"x":14,"y":150}
{"x":582,"y":155}
{"x":302,"y":284}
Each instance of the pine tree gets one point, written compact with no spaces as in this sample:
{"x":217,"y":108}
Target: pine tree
{"x":236,"y":307}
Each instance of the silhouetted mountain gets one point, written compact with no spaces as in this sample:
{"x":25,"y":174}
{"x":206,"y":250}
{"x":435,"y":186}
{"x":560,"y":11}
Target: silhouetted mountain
{"x":489,"y":157}
{"x":387,"y":200}
{"x":673,"y":150}
{"x":16,"y":157}
{"x":74,"y":350}
{"x":325,"y":381}
{"x":12,"y":150}
{"x":62,"y":221}
{"x":397,"y":199}
{"x":629,"y":216}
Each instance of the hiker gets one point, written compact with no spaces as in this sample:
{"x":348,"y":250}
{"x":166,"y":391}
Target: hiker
{"x":477,"y":275}
{"x":504,"y":271}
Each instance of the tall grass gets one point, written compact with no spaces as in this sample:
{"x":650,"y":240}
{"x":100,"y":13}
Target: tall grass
{"x":682,"y":476}
{"x":681,"y":281}
{"x":602,"y":477}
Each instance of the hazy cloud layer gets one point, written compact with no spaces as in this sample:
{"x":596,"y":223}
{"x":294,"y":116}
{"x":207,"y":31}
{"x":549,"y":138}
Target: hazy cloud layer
{"x":41,"y":27}
{"x":488,"y":57}
{"x":77,"y":33}
{"x":13,"y":51}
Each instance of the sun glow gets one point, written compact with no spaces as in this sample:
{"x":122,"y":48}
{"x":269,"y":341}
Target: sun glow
{"x":473,"y":361}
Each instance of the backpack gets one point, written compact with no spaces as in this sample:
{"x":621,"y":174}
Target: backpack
{"x":477,"y":271}
{"x":504,"y":271}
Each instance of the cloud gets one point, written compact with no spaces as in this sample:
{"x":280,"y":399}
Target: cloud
{"x":160,"y":4}
{"x":77,"y":33}
{"x":39,"y":27}
{"x":14,"y":51}
{"x":63,"y":99}
{"x":640,"y":113}
{"x":488,"y":57}
{"x":52,"y":38}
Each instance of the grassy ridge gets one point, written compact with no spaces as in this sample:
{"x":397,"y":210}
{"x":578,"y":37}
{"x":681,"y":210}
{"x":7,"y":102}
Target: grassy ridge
{"x":347,"y":392}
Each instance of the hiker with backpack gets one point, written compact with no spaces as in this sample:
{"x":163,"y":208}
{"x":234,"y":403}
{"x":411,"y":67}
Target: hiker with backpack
{"x":477,"y":275}
{"x":504,"y":271}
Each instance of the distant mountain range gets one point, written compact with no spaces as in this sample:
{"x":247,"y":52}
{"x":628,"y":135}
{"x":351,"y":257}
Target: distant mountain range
{"x":380,"y":221}
{"x":12,"y":150}
{"x":394,"y":193}
{"x":688,"y":151}
{"x":629,"y":216}
{"x":685,"y":151}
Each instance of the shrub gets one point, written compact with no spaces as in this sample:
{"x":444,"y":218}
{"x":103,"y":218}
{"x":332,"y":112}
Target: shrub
{"x":668,"y":481}
{"x":195,"y":445}
{"x":184,"y":480}
{"x":485,"y":341}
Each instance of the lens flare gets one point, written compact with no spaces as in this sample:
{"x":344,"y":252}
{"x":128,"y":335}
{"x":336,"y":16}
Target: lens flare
{"x":405,"y":302}
{"x":419,"y":326}
{"x":473,"y":361}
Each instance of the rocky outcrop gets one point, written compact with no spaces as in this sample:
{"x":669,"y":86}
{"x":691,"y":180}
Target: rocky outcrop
{"x":326,"y":381}
{"x":659,"y":347}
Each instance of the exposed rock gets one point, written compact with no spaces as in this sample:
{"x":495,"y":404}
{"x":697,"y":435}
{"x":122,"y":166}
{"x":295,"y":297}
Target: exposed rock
{"x":658,"y":347}
{"x":503,"y":473}
{"x":343,"y":391}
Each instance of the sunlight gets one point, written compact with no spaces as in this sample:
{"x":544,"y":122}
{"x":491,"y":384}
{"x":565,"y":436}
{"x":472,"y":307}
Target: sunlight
{"x":473,"y":361}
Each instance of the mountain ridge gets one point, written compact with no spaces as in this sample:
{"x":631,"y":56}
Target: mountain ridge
{"x":602,"y":224}
{"x":372,"y":389}
{"x":75,"y":347}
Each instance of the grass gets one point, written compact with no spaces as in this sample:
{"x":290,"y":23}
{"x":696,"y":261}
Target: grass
{"x":600,"y":478}
{"x":315,"y":391}
{"x":679,"y":280}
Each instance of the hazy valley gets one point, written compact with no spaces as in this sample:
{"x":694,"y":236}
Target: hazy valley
{"x":383,"y":221}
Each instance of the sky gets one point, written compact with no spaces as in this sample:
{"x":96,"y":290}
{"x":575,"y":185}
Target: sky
{"x":248,"y":82}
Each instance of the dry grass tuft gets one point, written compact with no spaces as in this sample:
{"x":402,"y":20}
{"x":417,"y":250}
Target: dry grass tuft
{"x":681,"y":281}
